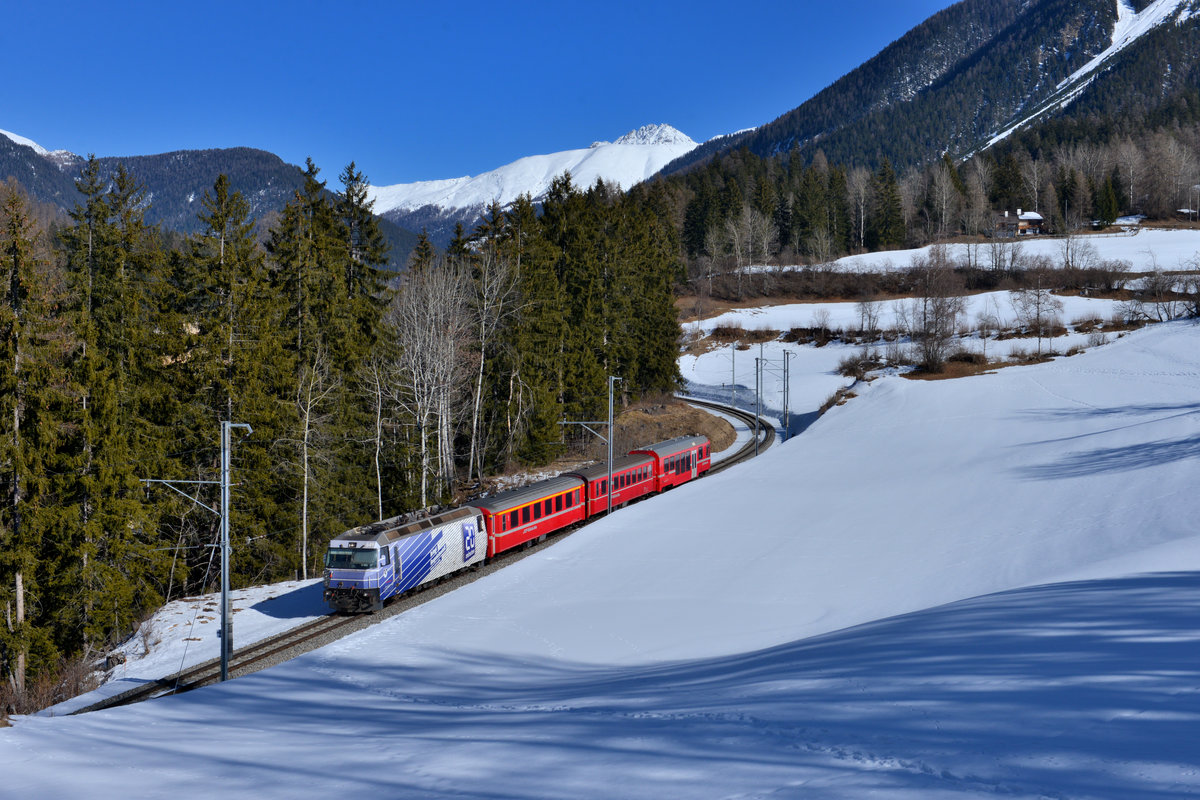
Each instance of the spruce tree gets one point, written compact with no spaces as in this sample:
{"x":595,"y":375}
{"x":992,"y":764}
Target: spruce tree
{"x":887,"y":218}
{"x":366,"y":254}
{"x":531,"y":397}
{"x":109,"y":565}
{"x":33,"y":407}
{"x":238,"y":369}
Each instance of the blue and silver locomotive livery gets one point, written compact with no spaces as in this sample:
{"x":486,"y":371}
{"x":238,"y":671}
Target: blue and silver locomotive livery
{"x":366,"y":565}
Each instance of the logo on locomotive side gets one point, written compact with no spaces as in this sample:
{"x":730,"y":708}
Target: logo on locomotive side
{"x":468,"y":531}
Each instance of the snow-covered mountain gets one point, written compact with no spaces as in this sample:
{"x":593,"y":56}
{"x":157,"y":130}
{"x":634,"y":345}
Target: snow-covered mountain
{"x":981,"y":70}
{"x":62,"y":158}
{"x":437,"y":205}
{"x":174,"y":182}
{"x":1130,"y":26}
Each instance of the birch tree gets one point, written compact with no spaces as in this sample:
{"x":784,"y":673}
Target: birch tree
{"x":314,"y":392}
{"x":858,"y":191}
{"x":431,"y":322}
{"x":493,"y":302}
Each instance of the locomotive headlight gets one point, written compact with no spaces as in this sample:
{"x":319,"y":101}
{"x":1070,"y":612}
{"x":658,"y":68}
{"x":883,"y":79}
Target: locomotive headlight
{"x":328,"y":574}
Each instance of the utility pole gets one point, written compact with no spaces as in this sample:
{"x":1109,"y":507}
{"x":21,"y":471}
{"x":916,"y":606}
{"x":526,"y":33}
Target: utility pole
{"x":608,"y":440}
{"x":226,"y":611}
{"x":226,"y":630}
{"x":757,"y":399}
{"x":733,"y":375}
{"x":611,"y":435}
{"x":787,"y":391}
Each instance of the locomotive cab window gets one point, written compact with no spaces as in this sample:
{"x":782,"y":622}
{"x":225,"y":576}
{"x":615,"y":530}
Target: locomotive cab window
{"x":347,"y":558}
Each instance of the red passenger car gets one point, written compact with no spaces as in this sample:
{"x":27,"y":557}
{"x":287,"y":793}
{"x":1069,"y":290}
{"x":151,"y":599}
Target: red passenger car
{"x":678,"y":460}
{"x":632,"y":477}
{"x":530,"y":512}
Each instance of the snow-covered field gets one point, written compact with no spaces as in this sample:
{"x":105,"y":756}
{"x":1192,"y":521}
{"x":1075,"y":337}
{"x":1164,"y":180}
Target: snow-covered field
{"x":940,"y":590}
{"x":1143,"y":250}
{"x":812,"y":371}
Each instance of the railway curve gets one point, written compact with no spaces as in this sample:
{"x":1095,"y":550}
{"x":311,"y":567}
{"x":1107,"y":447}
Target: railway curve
{"x":323,"y":630}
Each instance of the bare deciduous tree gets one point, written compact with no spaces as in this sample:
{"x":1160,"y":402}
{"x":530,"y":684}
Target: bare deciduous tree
{"x":740,"y":239}
{"x":944,"y":196}
{"x":988,"y":322}
{"x":858,"y":189}
{"x":868,"y":318}
{"x":1076,"y":252}
{"x":313,"y":391}
{"x":820,"y":247}
{"x":372,"y":382}
{"x":1131,"y":164}
{"x":933,"y":313}
{"x":1003,"y":253}
{"x":714,"y":251}
{"x":1032,"y":177}
{"x":1035,"y":305}
{"x":1157,"y":300}
{"x":431,"y":321}
{"x":493,"y":301}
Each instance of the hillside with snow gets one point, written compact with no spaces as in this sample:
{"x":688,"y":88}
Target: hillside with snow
{"x":980,"y":71}
{"x":437,"y":205}
{"x":949,"y":589}
{"x":1130,"y":26}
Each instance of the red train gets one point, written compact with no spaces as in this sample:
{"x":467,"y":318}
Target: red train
{"x":367,"y":565}
{"x":520,"y":515}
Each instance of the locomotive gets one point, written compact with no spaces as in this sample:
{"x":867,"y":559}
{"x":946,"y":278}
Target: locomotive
{"x":367,"y":565}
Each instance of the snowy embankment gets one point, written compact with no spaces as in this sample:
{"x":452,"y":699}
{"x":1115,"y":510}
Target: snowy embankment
{"x":183,"y":633}
{"x":698,"y":645}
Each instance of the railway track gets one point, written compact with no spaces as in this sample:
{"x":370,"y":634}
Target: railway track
{"x":241,"y":662}
{"x":323,"y":630}
{"x":765,"y":437}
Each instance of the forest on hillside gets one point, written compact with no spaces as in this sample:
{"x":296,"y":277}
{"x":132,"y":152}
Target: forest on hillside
{"x":123,"y":347}
{"x":740,"y":213}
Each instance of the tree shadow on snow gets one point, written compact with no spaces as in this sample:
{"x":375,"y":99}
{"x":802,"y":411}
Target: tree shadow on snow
{"x":1075,"y":689}
{"x":303,"y":601}
{"x":1081,"y":464}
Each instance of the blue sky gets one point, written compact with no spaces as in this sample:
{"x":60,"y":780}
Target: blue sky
{"x":417,"y":90}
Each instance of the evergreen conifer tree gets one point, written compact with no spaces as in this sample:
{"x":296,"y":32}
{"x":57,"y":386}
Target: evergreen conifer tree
{"x":887,"y":219}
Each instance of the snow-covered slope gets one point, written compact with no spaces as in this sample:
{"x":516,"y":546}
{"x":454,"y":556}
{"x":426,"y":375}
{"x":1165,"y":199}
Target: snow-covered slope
{"x":1130,"y":26}
{"x":21,"y":140}
{"x":695,"y":645}
{"x":630,"y":159}
{"x":59,"y":157}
